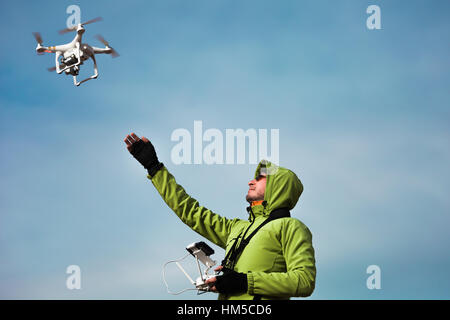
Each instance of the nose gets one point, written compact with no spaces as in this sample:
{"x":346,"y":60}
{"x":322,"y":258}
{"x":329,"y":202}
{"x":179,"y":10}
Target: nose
{"x":252,"y":182}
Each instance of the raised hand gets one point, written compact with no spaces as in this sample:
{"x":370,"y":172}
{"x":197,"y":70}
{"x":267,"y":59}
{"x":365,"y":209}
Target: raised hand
{"x":144,"y":152}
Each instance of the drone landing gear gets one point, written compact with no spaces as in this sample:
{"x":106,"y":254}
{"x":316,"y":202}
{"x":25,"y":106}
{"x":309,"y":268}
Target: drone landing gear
{"x":94,"y":76}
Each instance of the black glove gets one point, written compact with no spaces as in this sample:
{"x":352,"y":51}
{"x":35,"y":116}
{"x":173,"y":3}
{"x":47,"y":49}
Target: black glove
{"x":145,"y":153}
{"x":231,"y":282}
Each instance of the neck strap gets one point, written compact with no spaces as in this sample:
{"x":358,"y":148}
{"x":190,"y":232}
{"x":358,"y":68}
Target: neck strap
{"x":233,"y":255}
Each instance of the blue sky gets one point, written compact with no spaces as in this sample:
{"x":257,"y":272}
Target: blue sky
{"x":363,"y":118}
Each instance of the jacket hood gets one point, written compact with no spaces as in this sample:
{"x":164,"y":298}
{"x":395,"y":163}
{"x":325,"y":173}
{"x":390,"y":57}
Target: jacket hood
{"x":283,"y":187}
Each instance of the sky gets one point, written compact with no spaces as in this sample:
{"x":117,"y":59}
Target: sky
{"x":363,"y":119}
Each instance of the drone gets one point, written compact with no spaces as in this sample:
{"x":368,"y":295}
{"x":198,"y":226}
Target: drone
{"x":69,"y":57}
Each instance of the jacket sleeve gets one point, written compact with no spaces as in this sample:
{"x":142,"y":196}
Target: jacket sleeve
{"x":200,"y":219}
{"x":299,"y":278}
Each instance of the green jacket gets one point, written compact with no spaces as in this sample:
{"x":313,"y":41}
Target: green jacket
{"x":279,"y":260}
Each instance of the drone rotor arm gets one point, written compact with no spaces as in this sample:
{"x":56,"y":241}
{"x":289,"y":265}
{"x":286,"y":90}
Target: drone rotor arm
{"x":107,"y":50}
{"x":101,"y":50}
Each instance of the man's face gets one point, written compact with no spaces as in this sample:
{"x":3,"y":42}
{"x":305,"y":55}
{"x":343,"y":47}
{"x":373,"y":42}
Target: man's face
{"x":256,"y":189}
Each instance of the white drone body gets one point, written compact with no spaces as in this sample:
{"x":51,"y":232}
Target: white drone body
{"x":69,"y":57}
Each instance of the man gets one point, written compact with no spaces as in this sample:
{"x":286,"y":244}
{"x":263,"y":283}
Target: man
{"x":270,"y":256}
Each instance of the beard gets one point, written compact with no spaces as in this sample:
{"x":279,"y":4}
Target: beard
{"x":250,"y":198}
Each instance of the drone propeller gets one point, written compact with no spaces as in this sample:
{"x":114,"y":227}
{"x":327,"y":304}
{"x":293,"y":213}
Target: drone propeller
{"x":83,"y":24}
{"x":38,"y":37}
{"x":51,"y":69}
{"x":102,"y":40}
{"x":114,"y":53}
{"x":92,"y":21}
